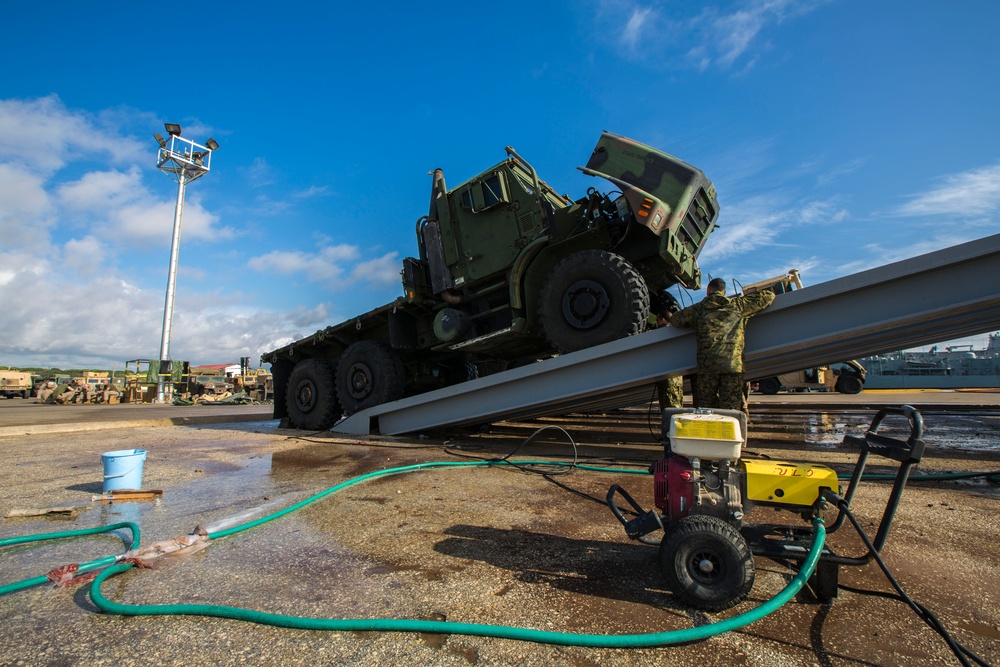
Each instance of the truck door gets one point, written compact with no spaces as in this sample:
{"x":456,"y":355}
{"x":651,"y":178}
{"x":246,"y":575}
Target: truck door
{"x":489,"y":234}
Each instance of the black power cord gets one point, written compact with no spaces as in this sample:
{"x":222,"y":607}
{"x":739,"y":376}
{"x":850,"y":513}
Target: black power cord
{"x":961,"y":652}
{"x":541,"y":469}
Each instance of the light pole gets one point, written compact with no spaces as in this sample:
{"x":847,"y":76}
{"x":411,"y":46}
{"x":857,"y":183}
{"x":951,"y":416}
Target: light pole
{"x":184,"y":161}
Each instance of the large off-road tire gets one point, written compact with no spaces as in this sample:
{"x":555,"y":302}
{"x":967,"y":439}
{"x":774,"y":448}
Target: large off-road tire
{"x":311,"y":396}
{"x":592,"y":297}
{"x":769,"y":386}
{"x":369,"y":374}
{"x":707,"y":563}
{"x":849,"y":383}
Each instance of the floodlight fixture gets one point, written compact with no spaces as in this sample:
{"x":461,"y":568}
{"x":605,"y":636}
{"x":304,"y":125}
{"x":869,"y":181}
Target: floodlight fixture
{"x":184,"y":161}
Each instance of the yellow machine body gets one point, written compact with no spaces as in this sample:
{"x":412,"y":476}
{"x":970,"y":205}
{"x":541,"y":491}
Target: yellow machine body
{"x":784,"y":483}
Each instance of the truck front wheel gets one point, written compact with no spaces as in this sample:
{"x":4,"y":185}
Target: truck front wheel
{"x":592,"y":297}
{"x":369,"y":374}
{"x":311,"y":397}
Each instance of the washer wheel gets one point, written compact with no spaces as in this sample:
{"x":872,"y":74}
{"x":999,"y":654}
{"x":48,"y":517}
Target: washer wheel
{"x":707,"y":563}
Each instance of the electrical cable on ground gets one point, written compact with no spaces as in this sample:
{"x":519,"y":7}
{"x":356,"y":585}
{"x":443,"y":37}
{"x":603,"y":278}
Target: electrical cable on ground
{"x":960,"y":651}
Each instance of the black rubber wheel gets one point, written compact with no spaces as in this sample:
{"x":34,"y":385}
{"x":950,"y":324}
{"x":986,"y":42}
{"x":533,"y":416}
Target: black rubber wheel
{"x":769,"y":386}
{"x":592,"y":297}
{"x":369,"y":374}
{"x":848,"y":383}
{"x":311,"y":397}
{"x":707,"y":563}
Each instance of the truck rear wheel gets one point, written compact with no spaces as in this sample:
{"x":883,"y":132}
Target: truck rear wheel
{"x":848,"y":383}
{"x":311,"y":397}
{"x":369,"y":374}
{"x":769,"y":386}
{"x":592,"y":297}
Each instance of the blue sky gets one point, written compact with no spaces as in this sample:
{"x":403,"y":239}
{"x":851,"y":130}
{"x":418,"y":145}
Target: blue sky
{"x":840,"y":135}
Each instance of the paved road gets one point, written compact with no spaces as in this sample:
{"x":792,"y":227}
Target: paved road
{"x":489,"y":545}
{"x":18,"y":416}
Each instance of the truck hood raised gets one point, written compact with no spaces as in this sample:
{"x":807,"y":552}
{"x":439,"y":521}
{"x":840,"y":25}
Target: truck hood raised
{"x":643,"y":172}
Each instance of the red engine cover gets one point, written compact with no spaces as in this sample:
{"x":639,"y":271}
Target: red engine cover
{"x":673,"y":490}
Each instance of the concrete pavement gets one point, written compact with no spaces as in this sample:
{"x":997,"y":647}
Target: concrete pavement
{"x":23,"y":417}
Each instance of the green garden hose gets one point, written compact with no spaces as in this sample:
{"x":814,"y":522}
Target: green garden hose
{"x":84,"y":567}
{"x":449,"y":627}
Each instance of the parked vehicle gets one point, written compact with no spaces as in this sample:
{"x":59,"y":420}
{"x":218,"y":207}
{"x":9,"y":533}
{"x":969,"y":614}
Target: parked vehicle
{"x":847,"y":377}
{"x":15,"y":384}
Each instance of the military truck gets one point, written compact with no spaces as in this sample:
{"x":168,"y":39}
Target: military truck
{"x":15,"y":384}
{"x":847,"y":377}
{"x":509,"y":272}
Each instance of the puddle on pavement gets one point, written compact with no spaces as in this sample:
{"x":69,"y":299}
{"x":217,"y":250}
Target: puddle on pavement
{"x":822,"y":430}
{"x":818,"y":430}
{"x":263,"y":426}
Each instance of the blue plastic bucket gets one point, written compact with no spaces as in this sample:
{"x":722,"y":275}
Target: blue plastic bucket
{"x":123,"y":469}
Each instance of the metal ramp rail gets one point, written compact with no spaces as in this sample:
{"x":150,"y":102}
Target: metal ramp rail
{"x":942,"y":295}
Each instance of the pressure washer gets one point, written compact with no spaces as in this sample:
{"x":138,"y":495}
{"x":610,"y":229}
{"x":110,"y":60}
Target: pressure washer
{"x":704,"y":488}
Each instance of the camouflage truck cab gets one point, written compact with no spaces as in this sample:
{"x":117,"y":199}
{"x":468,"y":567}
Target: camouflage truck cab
{"x":509,"y":271}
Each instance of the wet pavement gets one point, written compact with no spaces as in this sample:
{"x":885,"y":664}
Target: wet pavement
{"x":484,"y":544}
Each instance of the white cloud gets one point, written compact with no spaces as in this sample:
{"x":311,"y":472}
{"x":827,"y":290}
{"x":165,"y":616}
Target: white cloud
{"x":879,"y":254}
{"x":25,"y":209}
{"x":834,"y":173}
{"x":720,"y":36}
{"x":44,"y":135}
{"x":730,"y":35}
{"x":149,"y":220}
{"x":118,"y":206}
{"x":314,"y":191}
{"x":763,"y":220}
{"x":56,"y":314}
{"x":325,"y":265}
{"x":259,"y":173}
{"x":333,"y":266}
{"x":972,"y":193}
{"x":380,"y":271}
{"x":86,"y":256}
{"x":101,"y":190}
{"x":632,"y":34}
{"x":76,"y":217}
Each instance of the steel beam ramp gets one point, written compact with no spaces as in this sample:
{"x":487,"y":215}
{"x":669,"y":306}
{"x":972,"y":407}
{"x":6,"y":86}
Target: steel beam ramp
{"x":935,"y":297}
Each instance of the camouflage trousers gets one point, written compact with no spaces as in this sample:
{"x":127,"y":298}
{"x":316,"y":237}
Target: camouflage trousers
{"x":670,"y":392}
{"x":728,"y":391}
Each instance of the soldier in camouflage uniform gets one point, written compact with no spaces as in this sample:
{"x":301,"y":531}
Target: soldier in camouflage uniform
{"x":720,"y":324}
{"x":669,"y":392}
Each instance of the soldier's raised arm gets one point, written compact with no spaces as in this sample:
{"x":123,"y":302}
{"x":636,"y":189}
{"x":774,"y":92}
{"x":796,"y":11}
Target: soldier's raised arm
{"x":754,"y":303}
